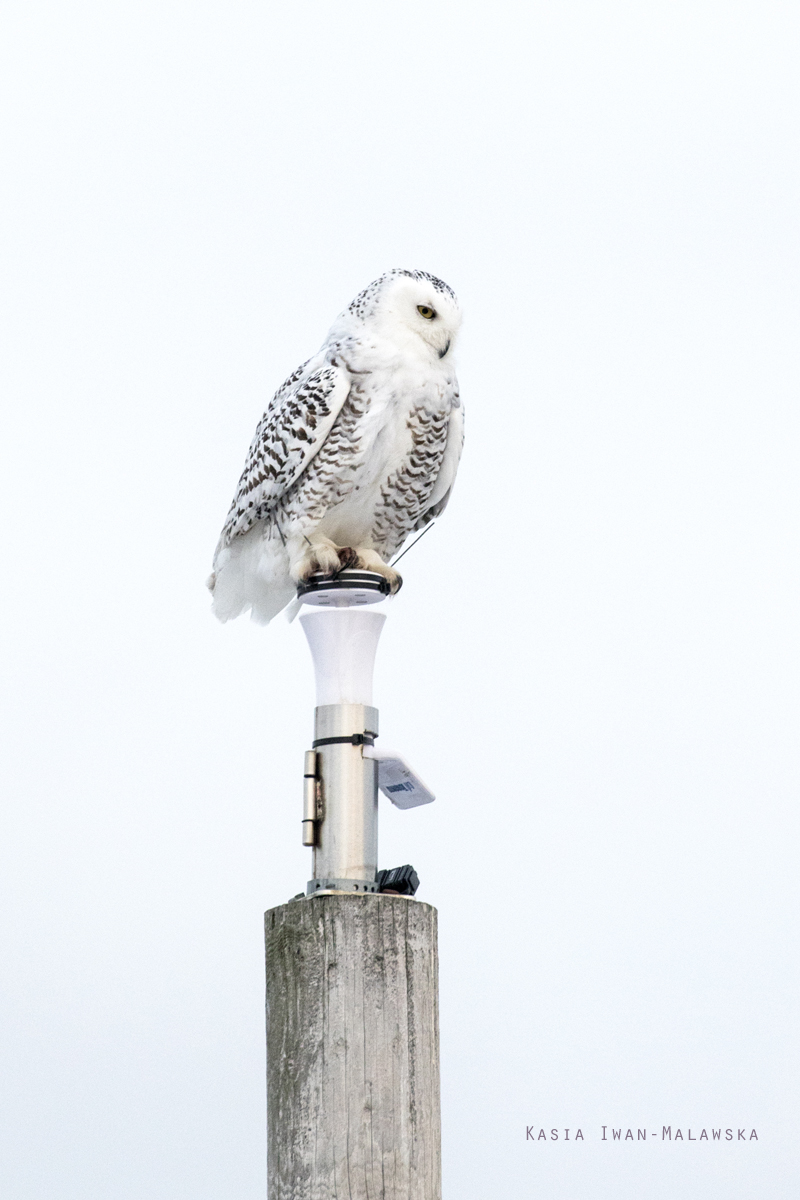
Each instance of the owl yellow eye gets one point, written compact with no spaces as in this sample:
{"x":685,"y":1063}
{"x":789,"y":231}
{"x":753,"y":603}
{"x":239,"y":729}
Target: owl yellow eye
{"x":427,"y":313}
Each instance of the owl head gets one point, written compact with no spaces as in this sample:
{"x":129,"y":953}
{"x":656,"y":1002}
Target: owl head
{"x":412,"y":309}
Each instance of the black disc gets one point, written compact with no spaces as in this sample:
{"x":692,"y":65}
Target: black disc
{"x":345,"y":581}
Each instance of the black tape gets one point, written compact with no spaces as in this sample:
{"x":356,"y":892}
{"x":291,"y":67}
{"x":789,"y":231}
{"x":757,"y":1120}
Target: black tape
{"x":354,"y":739}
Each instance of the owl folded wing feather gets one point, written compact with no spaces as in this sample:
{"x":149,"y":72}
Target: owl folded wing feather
{"x":443,"y":487}
{"x":290,"y":433}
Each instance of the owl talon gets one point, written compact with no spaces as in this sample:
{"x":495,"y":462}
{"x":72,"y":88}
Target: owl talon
{"x":348,"y":558}
{"x":321,"y":558}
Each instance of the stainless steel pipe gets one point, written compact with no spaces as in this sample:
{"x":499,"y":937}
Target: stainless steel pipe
{"x":346,"y":826}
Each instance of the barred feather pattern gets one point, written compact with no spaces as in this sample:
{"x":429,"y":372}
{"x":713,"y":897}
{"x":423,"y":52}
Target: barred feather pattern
{"x":282,"y":440}
{"x":405,"y":494}
{"x":331,"y":473}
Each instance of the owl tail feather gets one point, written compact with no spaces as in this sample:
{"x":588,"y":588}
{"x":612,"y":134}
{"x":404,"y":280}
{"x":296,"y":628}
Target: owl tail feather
{"x":251,"y":573}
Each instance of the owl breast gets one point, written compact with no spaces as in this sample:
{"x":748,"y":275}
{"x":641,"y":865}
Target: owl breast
{"x":371,"y":480}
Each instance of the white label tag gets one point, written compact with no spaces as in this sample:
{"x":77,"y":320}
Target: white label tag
{"x":396,"y":780}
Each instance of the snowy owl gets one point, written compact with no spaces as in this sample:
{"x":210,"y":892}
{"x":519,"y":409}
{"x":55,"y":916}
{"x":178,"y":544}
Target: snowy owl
{"x":358,"y":448}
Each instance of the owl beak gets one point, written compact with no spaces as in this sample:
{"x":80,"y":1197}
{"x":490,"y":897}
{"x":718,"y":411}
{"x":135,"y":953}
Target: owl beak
{"x":443,"y":352}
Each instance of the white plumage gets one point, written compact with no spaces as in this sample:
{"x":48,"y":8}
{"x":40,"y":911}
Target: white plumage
{"x":359,"y":447}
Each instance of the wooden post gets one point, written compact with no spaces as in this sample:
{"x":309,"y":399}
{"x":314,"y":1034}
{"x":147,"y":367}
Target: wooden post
{"x":353,"y":1049}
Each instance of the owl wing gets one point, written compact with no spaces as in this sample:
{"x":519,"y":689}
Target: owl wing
{"x":442,"y":488}
{"x":290,"y":433}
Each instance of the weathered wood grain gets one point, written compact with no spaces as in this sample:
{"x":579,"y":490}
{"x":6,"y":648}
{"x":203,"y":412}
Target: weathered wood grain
{"x":353,"y":1049}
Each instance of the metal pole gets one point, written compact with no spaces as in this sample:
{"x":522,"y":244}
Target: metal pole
{"x":346,"y":843}
{"x":342,"y":793}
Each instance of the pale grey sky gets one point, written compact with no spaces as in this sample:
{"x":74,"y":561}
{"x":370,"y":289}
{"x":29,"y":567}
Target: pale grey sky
{"x":593,"y":662}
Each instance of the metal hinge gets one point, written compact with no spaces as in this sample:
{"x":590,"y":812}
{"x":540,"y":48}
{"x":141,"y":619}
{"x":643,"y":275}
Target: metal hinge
{"x":310,"y":799}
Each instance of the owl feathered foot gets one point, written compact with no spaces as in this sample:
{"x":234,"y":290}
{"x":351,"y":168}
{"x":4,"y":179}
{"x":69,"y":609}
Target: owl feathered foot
{"x":324,"y":557}
{"x":370,"y":560}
